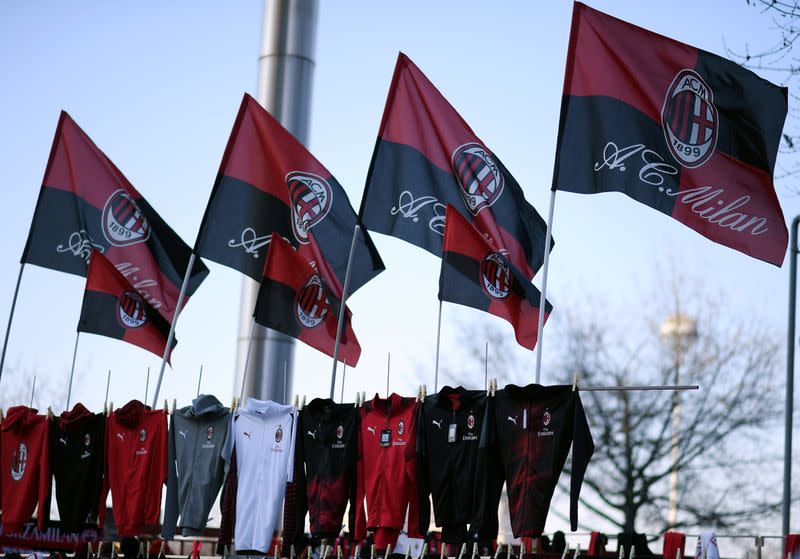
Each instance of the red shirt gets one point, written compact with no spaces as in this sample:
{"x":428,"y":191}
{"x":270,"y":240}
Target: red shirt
{"x":387,"y":476}
{"x":135,"y":467}
{"x":25,"y":468}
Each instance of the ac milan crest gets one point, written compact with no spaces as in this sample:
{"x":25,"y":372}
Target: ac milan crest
{"x":478,"y":176}
{"x":210,"y":432}
{"x":339,"y":432}
{"x":87,"y":440}
{"x":123,"y":221}
{"x":689,"y":119}
{"x":131,"y":310}
{"x":142,"y":435}
{"x":546,"y":418}
{"x":310,"y":197}
{"x":19,"y":461}
{"x":495,"y":276}
{"x":311,"y":303}
{"x":278,"y":434}
{"x":401,"y":428}
{"x":471,"y":421}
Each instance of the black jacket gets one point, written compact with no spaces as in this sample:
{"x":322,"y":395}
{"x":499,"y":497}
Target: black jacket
{"x":447,"y":461}
{"x":525,"y":442}
{"x":77,"y":440}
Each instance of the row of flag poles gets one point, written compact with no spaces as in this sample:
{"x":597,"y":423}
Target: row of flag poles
{"x":681,"y":130}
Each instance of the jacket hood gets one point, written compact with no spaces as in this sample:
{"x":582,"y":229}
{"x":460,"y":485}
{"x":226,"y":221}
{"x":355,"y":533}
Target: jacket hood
{"x":18,"y":416}
{"x":130,"y":414}
{"x":75,"y":419}
{"x":205,"y":404}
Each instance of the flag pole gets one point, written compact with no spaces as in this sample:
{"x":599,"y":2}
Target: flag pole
{"x":72,"y":370}
{"x":10,"y":318}
{"x":147,"y":385}
{"x":344,"y":372}
{"x":247,"y":359}
{"x":542,"y":300}
{"x":199,"y":378}
{"x":33,"y":390}
{"x":178,"y":307}
{"x":108,"y":383}
{"x":388,"y":370}
{"x":486,"y":367}
{"x":438,"y":339}
{"x":342,"y":308}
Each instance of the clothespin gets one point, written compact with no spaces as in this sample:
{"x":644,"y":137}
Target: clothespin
{"x":574,"y":381}
{"x":226,"y":551}
{"x":303,"y":403}
{"x":88,"y":550}
{"x":578,"y":547}
{"x":494,"y":386}
{"x":522,"y":549}
{"x":309,"y":552}
{"x":408,"y":548}
{"x":566,"y":550}
{"x":424,"y":391}
{"x":463,"y":550}
{"x":164,"y":543}
{"x":633,"y":553}
{"x":509,"y":550}
{"x":372,"y":551}
{"x":388,"y":551}
{"x":419,"y":393}
{"x":174,"y":405}
{"x":2,"y":417}
{"x":166,"y":406}
{"x":621,"y":552}
{"x":358,"y":546}
{"x":140,"y":553}
{"x":50,"y":413}
{"x":358,"y":400}
{"x":678,"y":552}
{"x":534,"y":545}
{"x":475,"y":551}
{"x":114,"y":554}
{"x":275,"y":554}
{"x":111,"y":407}
{"x":442,"y":550}
{"x":339,"y":551}
{"x":363,"y":397}
{"x":498,"y":550}
{"x":292,"y":553}
{"x":296,"y":400}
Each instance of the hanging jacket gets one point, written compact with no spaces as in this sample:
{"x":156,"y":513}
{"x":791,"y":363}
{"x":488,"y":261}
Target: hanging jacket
{"x":387,"y":476}
{"x":447,"y":457}
{"x":25,"y":469}
{"x":525,"y":442}
{"x":325,"y":470}
{"x":260,"y":454}
{"x":195,"y":468}
{"x":674,"y":542}
{"x":135,"y":467}
{"x":77,"y":442}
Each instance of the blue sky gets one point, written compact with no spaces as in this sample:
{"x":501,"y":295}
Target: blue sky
{"x":157,"y":86}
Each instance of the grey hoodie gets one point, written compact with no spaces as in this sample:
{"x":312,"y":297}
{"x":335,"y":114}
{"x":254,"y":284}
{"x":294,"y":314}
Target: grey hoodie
{"x":197,"y":435}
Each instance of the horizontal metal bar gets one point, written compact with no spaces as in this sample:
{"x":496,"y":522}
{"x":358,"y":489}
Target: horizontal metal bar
{"x":671,"y":387}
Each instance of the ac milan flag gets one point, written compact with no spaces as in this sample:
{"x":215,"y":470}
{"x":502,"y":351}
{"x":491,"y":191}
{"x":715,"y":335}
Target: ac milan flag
{"x":477,"y":274}
{"x":686,"y":132}
{"x":86,"y":204}
{"x":269,"y":183}
{"x":112,"y":307}
{"x":427,"y":157}
{"x":295,"y":299}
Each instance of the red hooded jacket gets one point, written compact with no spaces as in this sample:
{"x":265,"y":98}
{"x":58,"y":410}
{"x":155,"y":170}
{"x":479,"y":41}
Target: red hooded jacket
{"x":135,"y":467}
{"x":24,"y":468}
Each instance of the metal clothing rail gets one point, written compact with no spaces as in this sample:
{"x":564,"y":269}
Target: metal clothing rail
{"x":672,"y":387}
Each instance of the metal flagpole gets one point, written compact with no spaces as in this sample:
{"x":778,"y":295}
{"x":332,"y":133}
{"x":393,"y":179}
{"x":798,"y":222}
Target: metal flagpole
{"x":108,"y":383}
{"x":542,"y":301}
{"x":199,"y":378}
{"x":438,"y":339}
{"x":344,"y":372}
{"x":388,"y":369}
{"x":789,"y":407}
{"x":72,"y":370}
{"x":178,"y":307}
{"x":33,"y":390}
{"x":247,"y":360}
{"x":342,"y":308}
{"x":147,"y":385}
{"x":285,"y":391}
{"x":486,"y":367}
{"x":10,"y":318}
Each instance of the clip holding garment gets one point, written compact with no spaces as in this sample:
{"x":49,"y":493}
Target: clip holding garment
{"x":166,"y":406}
{"x":574,"y":381}
{"x":578,"y":547}
{"x":174,"y":405}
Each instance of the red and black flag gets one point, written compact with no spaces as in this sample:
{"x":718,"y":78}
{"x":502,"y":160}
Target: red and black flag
{"x":686,"y":132}
{"x":269,"y":183}
{"x":476,"y":274}
{"x":86,"y":204}
{"x":294,"y":299}
{"x":112,"y":307}
{"x":426,"y":157}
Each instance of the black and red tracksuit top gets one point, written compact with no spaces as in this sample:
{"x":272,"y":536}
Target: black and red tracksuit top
{"x":325,"y":470}
{"x":25,"y":465}
{"x":447,"y":458}
{"x":525,"y":441}
{"x":135,"y":467}
{"x":387,"y":471}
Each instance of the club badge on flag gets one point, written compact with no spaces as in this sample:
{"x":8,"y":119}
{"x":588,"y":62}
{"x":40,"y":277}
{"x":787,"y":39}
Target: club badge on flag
{"x":87,"y":204}
{"x":112,"y":307}
{"x":427,"y":157}
{"x":294,"y":299}
{"x":268,"y":182}
{"x":476,"y":274}
{"x":684,"y":131}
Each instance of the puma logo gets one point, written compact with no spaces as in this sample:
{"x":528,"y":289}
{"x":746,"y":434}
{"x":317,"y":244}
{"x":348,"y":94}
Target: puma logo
{"x":437,"y":423}
{"x":371,"y":430}
{"x":313,"y":435}
{"x":246,"y":434}
{"x":182,"y":434}
{"x":513,"y":419}
{"x":121,"y":436}
{"x":62,"y":440}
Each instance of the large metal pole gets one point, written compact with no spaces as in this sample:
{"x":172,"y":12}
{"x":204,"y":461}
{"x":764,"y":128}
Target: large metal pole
{"x":285,"y":70}
{"x":788,"y":412}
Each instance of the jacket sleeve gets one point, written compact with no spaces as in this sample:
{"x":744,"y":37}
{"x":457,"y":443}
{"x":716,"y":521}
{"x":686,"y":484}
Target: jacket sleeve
{"x":414,"y":530}
{"x":489,"y":478}
{"x":423,"y":484}
{"x":295,"y":504}
{"x":360,"y":530}
{"x":45,"y":481}
{"x":171,"y":505}
{"x":582,"y":450}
